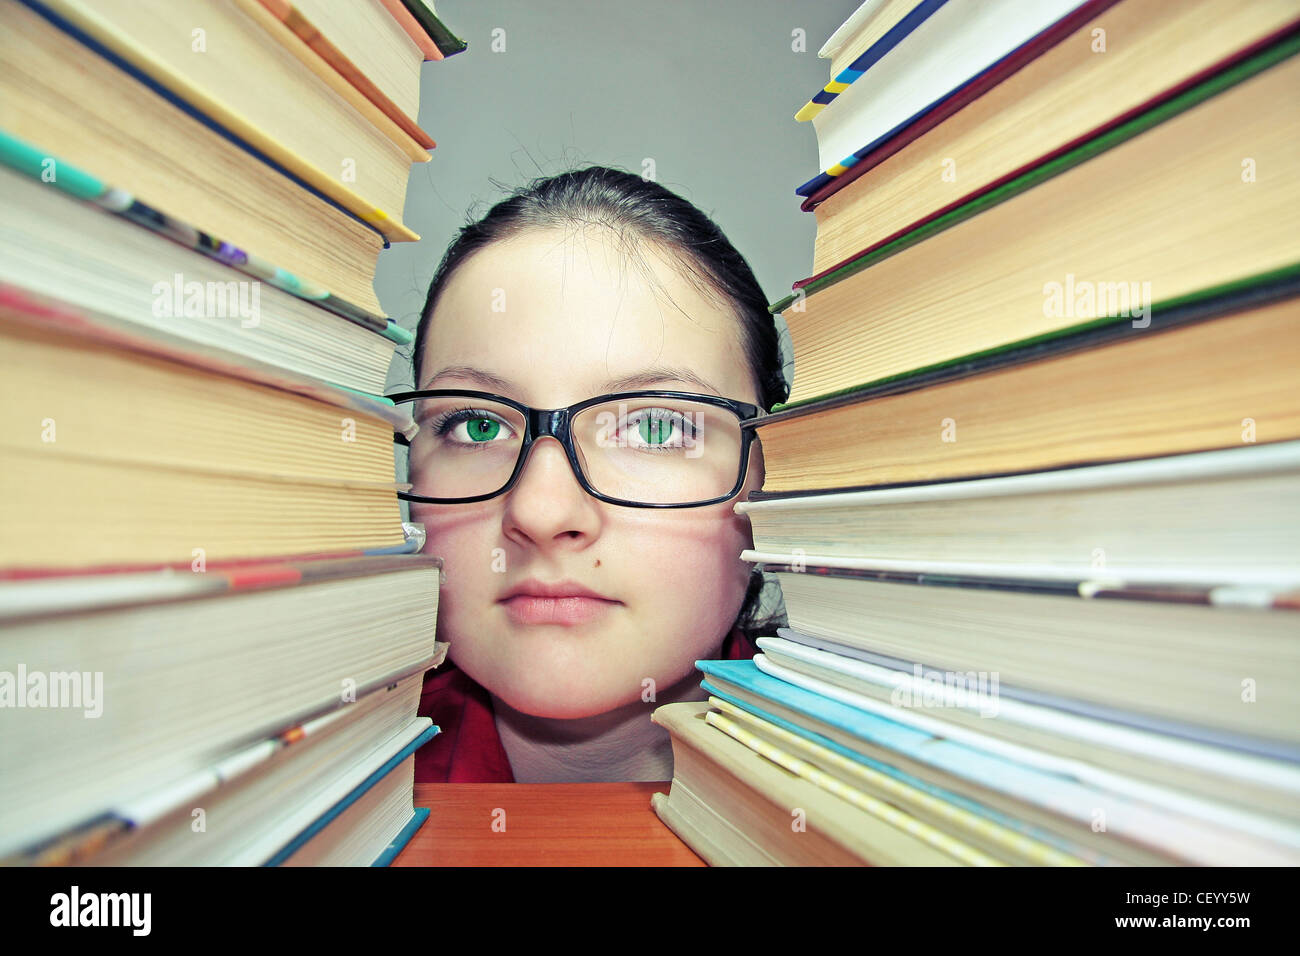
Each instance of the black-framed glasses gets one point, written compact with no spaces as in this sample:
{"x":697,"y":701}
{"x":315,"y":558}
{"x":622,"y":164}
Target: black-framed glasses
{"x":643,"y":449}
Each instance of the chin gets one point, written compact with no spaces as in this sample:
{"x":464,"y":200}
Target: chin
{"x":556,"y":703}
{"x":541,"y":676}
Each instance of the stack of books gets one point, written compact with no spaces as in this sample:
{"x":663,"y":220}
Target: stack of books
{"x":214,"y":623}
{"x":1033,"y":502}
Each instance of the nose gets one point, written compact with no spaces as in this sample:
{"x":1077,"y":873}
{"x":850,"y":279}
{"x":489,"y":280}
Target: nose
{"x":547,"y":507}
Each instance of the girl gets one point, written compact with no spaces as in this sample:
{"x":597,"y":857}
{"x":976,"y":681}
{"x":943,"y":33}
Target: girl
{"x":586,"y":357}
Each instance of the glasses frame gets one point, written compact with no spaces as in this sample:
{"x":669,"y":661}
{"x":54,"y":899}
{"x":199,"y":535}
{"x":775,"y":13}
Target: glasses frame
{"x":554,"y":423}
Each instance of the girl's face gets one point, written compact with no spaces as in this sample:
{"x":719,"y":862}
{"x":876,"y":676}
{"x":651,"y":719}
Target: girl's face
{"x":550,"y":318}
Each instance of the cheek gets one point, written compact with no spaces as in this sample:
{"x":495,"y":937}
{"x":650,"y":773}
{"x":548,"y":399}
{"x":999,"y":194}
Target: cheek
{"x":474,"y":561}
{"x":694,"y":578}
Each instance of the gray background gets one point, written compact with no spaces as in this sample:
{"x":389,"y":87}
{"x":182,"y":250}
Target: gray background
{"x":707,"y":89}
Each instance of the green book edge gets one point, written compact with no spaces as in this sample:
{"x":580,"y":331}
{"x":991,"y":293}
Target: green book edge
{"x":1285,"y":273}
{"x":448,"y":43}
{"x":1080,"y":154}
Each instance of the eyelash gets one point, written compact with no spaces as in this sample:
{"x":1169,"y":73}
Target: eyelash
{"x":442,"y":423}
{"x":679,"y":422}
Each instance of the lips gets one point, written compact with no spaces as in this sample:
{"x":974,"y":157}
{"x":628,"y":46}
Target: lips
{"x":560,"y":589}
{"x":565,"y":603}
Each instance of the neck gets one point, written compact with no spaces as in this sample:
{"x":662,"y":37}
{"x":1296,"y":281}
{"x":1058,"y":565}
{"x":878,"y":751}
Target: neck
{"x":621,"y":744}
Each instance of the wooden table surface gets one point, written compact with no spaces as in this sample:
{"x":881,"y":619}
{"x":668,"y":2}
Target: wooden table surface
{"x":543,"y":824}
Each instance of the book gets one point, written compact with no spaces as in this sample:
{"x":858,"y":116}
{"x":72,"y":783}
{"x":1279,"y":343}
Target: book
{"x":74,"y":256}
{"x":1075,"y":648}
{"x":321,"y":129}
{"x":1198,"y":371}
{"x":277,"y":472}
{"x":177,"y":669}
{"x":997,"y":273}
{"x":110,"y":123}
{"x":1034,"y":549}
{"x":949,"y":45}
{"x":1001,"y":843}
{"x":426,"y":27}
{"x":1181,"y":757}
{"x":873,"y":30}
{"x":403,"y":17}
{"x":1127,"y":59}
{"x":214,"y":624}
{"x":862,"y":31}
{"x":254,"y":802}
{"x":918,"y":712}
{"x":379,"y":47}
{"x":1138,"y":831}
{"x":1209,"y":518}
{"x":734,"y":807}
{"x":373,"y":821}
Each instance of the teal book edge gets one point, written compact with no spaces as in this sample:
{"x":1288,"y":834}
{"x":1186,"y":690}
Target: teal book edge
{"x":390,"y":852}
{"x":23,"y":157}
{"x":381,"y":399}
{"x":986,"y":769}
{"x":321,"y":822}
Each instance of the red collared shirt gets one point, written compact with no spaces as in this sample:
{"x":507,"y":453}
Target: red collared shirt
{"x":469,"y":750}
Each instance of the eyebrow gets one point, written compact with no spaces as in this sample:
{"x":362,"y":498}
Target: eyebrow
{"x":473,"y":374}
{"x":655,"y":375}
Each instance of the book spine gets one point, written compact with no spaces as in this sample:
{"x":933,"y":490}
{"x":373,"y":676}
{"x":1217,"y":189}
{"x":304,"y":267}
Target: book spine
{"x":869,"y":57}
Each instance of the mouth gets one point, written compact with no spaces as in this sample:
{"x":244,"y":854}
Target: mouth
{"x":526,"y":609}
{"x":565,"y":604}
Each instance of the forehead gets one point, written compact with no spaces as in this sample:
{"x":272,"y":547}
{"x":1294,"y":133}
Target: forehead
{"x":561,"y":315}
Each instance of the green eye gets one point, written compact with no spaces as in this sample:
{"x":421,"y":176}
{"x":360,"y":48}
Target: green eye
{"x":482,"y":429}
{"x":655,"y":431}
